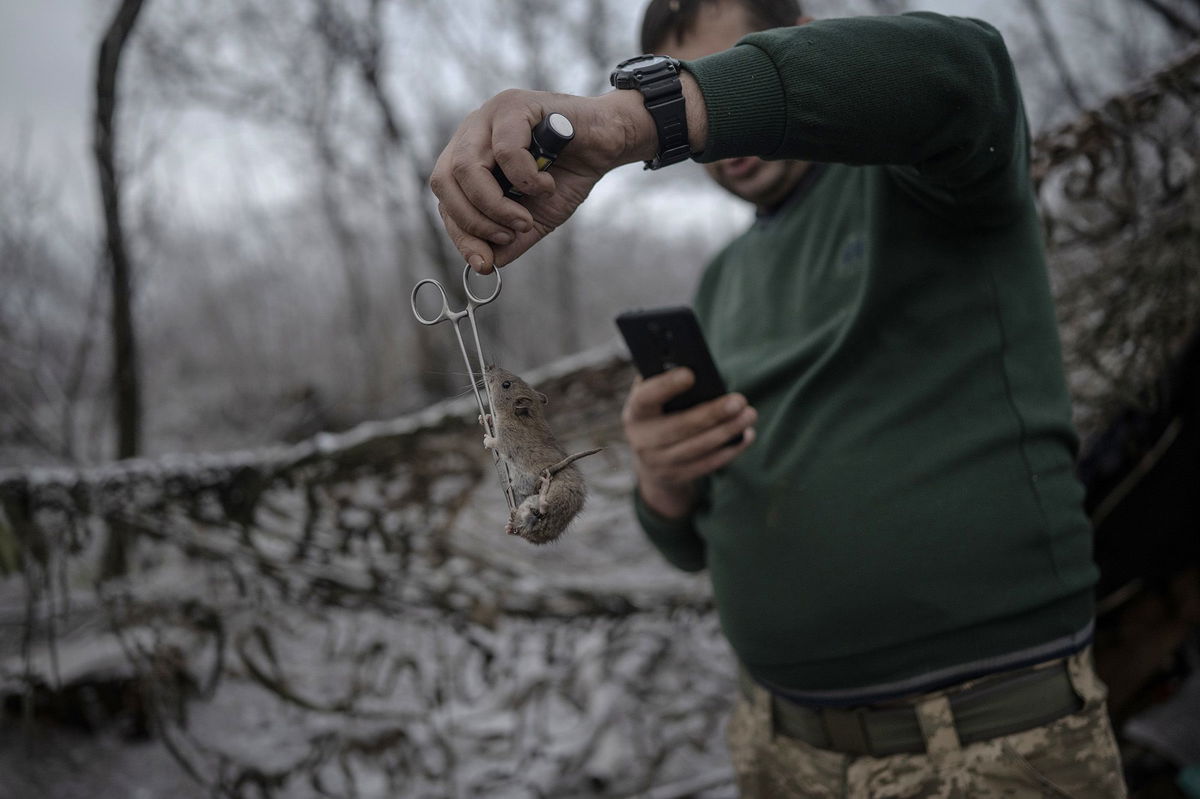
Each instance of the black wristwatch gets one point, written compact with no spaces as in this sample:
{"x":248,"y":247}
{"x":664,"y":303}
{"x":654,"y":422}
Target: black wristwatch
{"x":657,"y":78}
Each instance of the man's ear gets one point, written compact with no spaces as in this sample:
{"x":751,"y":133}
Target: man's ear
{"x":803,"y":20}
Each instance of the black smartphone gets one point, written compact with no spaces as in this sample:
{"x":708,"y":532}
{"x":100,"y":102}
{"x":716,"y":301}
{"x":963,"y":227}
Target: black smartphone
{"x":660,"y":339}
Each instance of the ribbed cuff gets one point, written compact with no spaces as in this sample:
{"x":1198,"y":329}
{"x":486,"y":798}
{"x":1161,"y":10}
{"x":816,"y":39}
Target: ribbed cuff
{"x":745,"y":100}
{"x":676,"y":539}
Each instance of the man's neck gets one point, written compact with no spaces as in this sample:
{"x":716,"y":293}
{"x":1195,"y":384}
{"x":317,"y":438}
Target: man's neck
{"x":805,"y":176}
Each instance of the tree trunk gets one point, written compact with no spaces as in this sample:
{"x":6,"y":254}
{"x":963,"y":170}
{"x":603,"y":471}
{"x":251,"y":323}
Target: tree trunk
{"x":566,"y":284}
{"x":126,"y":384}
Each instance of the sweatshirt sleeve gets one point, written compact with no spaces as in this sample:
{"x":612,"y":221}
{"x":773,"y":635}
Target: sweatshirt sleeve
{"x":934,"y":97}
{"x":677,"y":540}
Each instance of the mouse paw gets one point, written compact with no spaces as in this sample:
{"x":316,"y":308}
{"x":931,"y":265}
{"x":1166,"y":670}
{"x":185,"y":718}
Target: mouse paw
{"x":526,"y":516}
{"x":490,"y":442}
{"x":542,"y":496}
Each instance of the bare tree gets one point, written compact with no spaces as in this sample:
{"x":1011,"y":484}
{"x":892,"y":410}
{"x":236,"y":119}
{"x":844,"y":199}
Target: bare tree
{"x":337,"y":43}
{"x":126,"y":380}
{"x":1054,"y":49}
{"x":1174,"y":19}
{"x":365,"y":42}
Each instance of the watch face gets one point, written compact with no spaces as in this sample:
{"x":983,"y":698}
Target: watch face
{"x":632,"y":71}
{"x":644,"y":62}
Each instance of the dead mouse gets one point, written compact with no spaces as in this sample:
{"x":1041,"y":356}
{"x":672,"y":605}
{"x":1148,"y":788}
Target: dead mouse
{"x":548,"y":488}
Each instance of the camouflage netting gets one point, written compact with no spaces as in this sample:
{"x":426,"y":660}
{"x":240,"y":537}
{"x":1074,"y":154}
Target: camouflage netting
{"x":1120,"y":196}
{"x":346,"y":617}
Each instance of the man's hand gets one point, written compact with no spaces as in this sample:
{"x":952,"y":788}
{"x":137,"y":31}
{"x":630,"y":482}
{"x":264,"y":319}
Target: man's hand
{"x":489,"y":228}
{"x":611,"y":130}
{"x":671,"y":451}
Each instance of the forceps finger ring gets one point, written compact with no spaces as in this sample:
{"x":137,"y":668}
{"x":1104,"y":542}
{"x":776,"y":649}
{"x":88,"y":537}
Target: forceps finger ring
{"x":445,"y":313}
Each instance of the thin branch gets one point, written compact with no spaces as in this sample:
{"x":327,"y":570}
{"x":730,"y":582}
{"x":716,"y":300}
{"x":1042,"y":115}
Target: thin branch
{"x":1054,"y":50}
{"x":1175,"y":21}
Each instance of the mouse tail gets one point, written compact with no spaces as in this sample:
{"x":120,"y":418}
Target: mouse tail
{"x":567,"y":461}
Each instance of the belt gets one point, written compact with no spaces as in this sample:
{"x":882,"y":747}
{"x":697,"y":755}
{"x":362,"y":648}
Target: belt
{"x":990,"y":707}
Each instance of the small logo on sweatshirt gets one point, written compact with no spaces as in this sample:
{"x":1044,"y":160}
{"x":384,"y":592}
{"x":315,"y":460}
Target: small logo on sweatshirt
{"x":854,"y":251}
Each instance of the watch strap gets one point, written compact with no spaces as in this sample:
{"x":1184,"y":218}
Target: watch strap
{"x":662,"y":94}
{"x":664,"y":100}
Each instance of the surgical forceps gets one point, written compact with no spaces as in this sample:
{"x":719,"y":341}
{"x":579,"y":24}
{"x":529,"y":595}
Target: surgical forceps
{"x":455,"y":317}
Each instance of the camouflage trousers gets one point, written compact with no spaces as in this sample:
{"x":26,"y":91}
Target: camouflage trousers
{"x":1075,"y":756}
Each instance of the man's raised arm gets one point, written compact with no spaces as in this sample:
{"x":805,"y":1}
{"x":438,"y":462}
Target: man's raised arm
{"x":934,"y":96}
{"x":491,"y":229}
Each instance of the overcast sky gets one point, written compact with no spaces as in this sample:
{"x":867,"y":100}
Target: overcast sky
{"x":46,"y":52}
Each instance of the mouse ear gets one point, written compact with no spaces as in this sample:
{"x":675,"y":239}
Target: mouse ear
{"x":542,"y":397}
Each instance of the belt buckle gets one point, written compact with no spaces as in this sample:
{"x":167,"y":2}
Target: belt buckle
{"x":846,"y":730}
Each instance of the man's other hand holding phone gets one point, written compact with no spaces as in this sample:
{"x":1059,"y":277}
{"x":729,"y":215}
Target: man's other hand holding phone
{"x":673,"y":450}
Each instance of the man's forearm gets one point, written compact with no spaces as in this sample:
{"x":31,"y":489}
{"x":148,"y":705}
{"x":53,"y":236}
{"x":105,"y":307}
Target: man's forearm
{"x":916,"y":89}
{"x":697,"y":112}
{"x":675,"y":503}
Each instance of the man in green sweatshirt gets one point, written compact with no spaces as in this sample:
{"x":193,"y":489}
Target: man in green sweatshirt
{"x":897,"y":547}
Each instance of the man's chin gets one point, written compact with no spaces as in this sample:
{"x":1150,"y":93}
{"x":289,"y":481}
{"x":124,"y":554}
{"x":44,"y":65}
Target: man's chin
{"x":763,"y":186}
{"x":737,"y":170}
{"x":748,"y":190}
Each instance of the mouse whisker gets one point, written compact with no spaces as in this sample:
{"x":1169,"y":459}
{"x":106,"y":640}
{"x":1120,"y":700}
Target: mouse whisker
{"x":452,"y":372}
{"x":464,"y":392}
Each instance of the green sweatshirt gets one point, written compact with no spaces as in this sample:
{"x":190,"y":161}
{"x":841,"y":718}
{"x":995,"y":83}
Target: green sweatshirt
{"x":909,"y":514}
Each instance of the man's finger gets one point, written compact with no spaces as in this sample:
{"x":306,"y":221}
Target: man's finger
{"x":455,"y":204}
{"x":718,"y":459}
{"x":673,"y":428}
{"x":519,"y":166}
{"x":698,"y":446}
{"x":462,"y":180}
{"x":482,"y":197}
{"x":475,"y":251}
{"x":508,"y":253}
{"x":647,"y":397}
{"x":657,"y":440}
{"x":512,"y":133}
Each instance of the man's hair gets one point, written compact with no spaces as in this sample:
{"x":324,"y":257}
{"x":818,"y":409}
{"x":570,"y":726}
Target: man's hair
{"x":674,"y":19}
